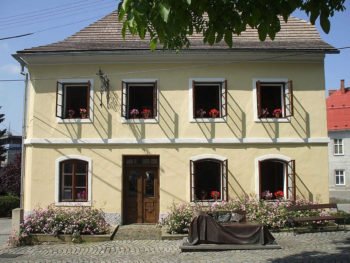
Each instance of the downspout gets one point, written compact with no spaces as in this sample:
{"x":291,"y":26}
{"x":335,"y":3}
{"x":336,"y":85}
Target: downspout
{"x":24,"y":135}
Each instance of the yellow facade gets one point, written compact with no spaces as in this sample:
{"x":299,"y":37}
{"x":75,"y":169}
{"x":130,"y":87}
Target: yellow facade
{"x":239,"y":138}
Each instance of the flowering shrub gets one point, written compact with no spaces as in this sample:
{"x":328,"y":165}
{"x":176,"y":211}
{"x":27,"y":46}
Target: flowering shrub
{"x":274,"y":215}
{"x":179,"y":218}
{"x":53,"y":220}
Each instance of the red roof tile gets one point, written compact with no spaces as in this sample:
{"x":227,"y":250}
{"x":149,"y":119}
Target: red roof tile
{"x":338,"y":110}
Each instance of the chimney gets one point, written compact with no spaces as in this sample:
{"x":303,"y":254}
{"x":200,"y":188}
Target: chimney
{"x":342,"y":86}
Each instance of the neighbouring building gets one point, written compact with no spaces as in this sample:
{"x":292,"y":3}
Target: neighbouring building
{"x":338,"y":117}
{"x":13,"y":146}
{"x":113,"y":125}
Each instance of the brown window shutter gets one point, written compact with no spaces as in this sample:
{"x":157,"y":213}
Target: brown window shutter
{"x":291,"y":187}
{"x":155,"y":100}
{"x":192,"y":187}
{"x":288,"y":99}
{"x":88,"y":98}
{"x":260,"y":179}
{"x":194,"y":98}
{"x":123,"y":104}
{"x":224,"y":180}
{"x":59,"y":100}
{"x":258,"y":98}
{"x":224,"y":99}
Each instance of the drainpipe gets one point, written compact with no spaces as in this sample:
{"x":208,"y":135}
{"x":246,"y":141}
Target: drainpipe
{"x":24,"y":135}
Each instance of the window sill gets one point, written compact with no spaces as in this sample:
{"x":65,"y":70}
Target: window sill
{"x":277,"y":120}
{"x":72,"y":204}
{"x":208,"y":120}
{"x":87,"y":120}
{"x":139,"y":121}
{"x":206,"y":202}
{"x":339,"y":154}
{"x":340,"y":185}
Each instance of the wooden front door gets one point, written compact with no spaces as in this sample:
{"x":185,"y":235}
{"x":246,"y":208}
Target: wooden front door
{"x":141,"y":190}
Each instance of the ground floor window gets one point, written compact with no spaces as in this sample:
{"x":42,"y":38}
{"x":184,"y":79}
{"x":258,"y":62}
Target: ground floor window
{"x":73,"y":179}
{"x":208,"y":180}
{"x":276,"y":179}
{"x":339,"y":177}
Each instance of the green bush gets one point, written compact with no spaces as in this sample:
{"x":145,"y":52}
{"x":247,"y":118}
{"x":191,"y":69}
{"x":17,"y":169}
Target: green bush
{"x":7,"y":203}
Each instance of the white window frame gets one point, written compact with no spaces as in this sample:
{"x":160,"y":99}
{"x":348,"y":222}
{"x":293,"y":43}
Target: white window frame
{"x":220,"y":159}
{"x":90,"y":119}
{"x":255,"y":98}
{"x":341,"y":174}
{"x":190,"y":107}
{"x":336,"y":145}
{"x":57,"y":180}
{"x":257,"y":170}
{"x":140,"y":81}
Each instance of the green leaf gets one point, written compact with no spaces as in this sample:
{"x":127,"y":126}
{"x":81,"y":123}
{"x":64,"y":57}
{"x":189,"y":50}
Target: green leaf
{"x":121,"y":13}
{"x":153,"y":44}
{"x":189,"y":2}
{"x":125,"y":4}
{"x":325,"y":24}
{"x":228,"y":38}
{"x":164,"y":12}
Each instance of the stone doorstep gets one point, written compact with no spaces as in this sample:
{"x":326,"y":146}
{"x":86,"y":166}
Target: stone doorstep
{"x":41,"y":238}
{"x":168,"y":236}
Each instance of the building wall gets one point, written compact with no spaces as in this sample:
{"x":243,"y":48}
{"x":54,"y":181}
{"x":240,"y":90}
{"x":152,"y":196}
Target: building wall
{"x":339,"y":193}
{"x":303,"y":138}
{"x":311,"y":179}
{"x":173,"y":84}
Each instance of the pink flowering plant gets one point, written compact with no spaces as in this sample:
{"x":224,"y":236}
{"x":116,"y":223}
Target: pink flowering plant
{"x":274,"y":215}
{"x":55,"y":221}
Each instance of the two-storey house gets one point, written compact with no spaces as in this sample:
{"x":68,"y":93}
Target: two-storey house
{"x":113,"y":125}
{"x":338,"y":118}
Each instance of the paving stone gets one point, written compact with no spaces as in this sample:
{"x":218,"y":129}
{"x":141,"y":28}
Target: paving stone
{"x":312,"y":247}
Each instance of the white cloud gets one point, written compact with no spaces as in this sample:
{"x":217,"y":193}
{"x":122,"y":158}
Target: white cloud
{"x":10,"y":69}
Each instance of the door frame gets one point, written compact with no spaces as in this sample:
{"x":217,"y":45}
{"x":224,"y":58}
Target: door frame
{"x":155,"y":166}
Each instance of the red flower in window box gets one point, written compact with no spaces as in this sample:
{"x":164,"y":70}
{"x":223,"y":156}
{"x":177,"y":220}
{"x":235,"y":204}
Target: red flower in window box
{"x":146,"y":113}
{"x":134,"y":113}
{"x":279,"y":194}
{"x":214,"y":113}
{"x":277,"y":113}
{"x":215,"y":195}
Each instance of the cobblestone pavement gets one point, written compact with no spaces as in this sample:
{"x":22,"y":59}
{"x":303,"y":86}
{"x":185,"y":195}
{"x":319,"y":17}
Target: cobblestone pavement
{"x":5,"y":230}
{"x":316,"y":247}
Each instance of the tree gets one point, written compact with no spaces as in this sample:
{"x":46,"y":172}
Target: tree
{"x":10,"y":177}
{"x":2,"y":133}
{"x":170,"y":22}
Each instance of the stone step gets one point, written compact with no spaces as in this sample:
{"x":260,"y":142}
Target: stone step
{"x":138,"y":232}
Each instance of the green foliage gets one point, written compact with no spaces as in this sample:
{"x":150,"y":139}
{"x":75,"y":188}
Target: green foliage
{"x":7,"y":203}
{"x":10,"y":178}
{"x":171,"y":22}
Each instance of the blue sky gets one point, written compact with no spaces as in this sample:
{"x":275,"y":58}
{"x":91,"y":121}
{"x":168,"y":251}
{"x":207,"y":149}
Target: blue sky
{"x":54,"y":20}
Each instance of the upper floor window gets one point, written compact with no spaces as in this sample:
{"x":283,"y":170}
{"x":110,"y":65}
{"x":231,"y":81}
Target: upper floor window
{"x":73,"y":99}
{"x":274,"y":99}
{"x":73,"y":181}
{"x":208,"y":180}
{"x":339,"y":177}
{"x":338,"y":147}
{"x":139,"y":100}
{"x":209,"y":99}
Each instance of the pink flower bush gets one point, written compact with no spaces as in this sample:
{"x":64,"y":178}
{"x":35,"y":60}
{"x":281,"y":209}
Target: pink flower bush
{"x":274,"y":215}
{"x":54,"y":220}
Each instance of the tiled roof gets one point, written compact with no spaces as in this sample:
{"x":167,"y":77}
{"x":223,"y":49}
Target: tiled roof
{"x":105,"y":35}
{"x":338,"y":110}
